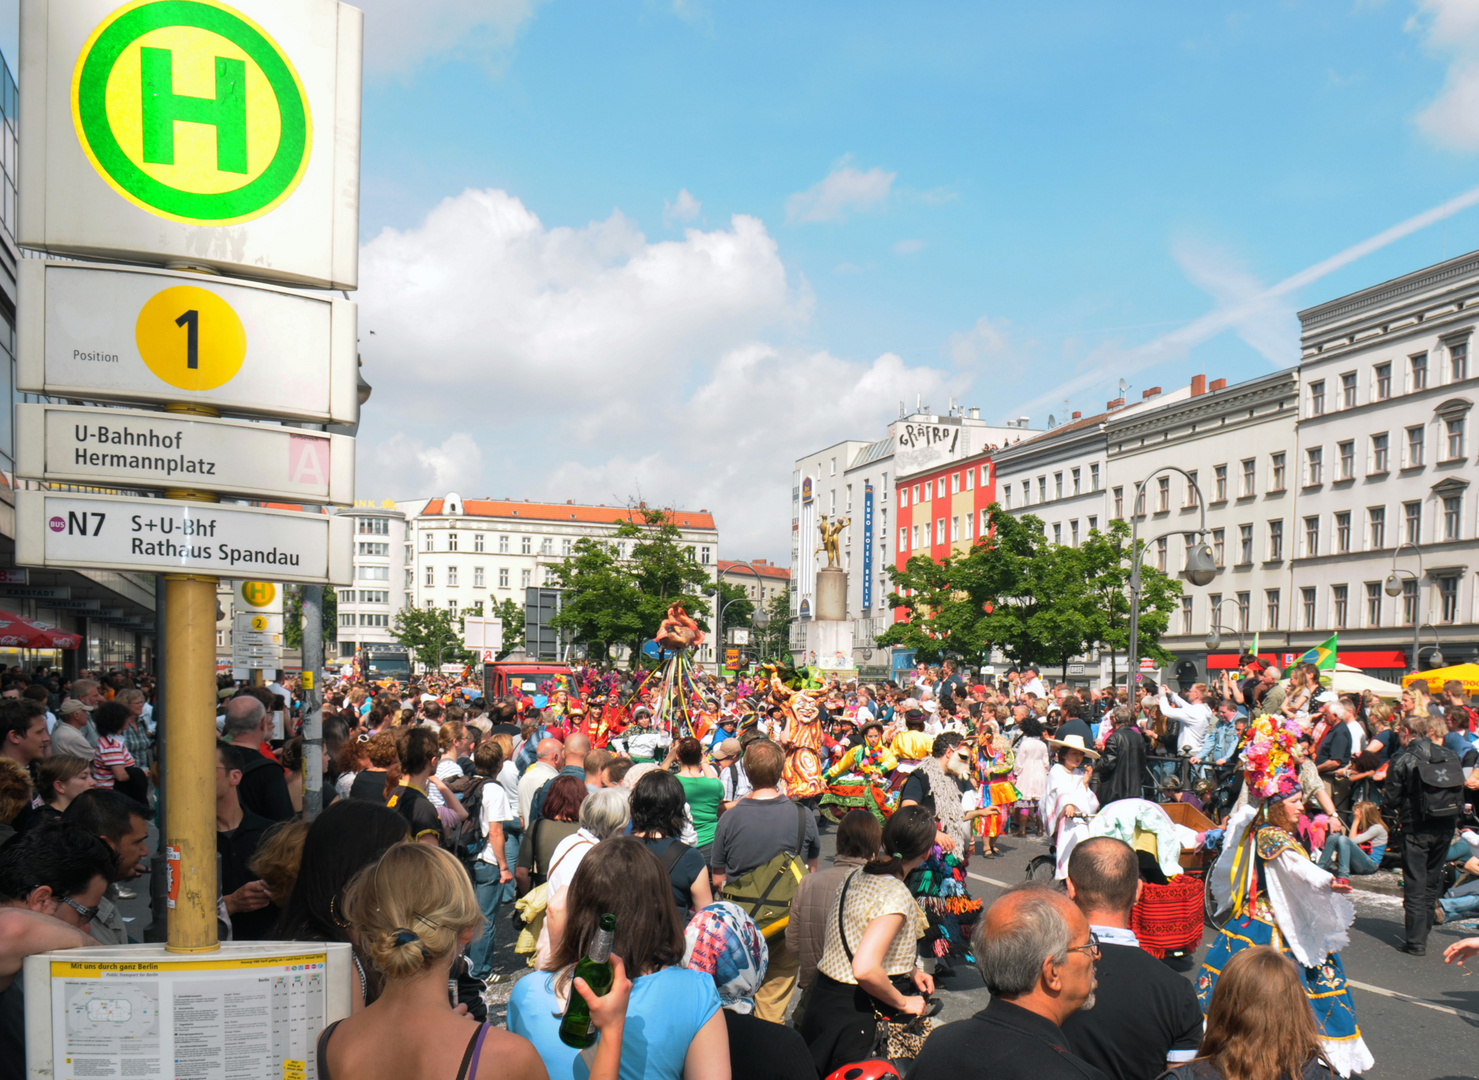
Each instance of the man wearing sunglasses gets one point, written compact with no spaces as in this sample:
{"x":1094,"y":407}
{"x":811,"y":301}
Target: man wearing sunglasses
{"x":51,"y":883}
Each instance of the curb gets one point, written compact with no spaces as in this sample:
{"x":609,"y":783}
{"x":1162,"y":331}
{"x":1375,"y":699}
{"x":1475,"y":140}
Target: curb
{"x":1382,"y":883}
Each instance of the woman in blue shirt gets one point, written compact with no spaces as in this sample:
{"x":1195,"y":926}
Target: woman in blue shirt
{"x":674,"y":1029}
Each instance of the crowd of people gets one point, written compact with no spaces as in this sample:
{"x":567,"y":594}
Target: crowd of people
{"x":454,"y":822}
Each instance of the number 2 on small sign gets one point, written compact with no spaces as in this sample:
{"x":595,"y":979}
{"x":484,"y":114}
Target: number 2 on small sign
{"x":191,"y":321}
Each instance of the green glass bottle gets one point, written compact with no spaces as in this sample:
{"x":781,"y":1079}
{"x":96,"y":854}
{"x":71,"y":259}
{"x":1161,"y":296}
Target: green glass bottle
{"x":596,"y":970}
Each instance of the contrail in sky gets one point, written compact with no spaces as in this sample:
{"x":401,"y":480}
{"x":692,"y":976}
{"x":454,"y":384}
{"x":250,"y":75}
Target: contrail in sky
{"x":1170,"y":345}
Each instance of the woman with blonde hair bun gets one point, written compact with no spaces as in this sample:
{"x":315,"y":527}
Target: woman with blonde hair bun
{"x":413,"y":913}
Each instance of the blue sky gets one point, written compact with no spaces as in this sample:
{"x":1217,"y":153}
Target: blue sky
{"x":636,"y":246}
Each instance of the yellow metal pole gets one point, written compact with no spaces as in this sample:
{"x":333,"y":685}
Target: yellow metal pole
{"x":190,"y":809}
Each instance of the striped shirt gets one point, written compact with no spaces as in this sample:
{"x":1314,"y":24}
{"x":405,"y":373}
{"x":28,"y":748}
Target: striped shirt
{"x":110,"y":752}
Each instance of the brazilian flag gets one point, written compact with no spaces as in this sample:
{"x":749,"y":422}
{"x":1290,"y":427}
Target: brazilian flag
{"x":1322,"y":656}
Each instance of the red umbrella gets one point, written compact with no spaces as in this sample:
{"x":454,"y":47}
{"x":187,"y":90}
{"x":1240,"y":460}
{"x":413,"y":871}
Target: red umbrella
{"x":28,"y":634}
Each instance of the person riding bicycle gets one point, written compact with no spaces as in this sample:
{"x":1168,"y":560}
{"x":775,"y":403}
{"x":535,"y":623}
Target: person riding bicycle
{"x":1067,"y":802}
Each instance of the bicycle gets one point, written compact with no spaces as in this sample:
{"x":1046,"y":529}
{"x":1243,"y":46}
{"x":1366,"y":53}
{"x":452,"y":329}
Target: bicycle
{"x":1043,"y":869}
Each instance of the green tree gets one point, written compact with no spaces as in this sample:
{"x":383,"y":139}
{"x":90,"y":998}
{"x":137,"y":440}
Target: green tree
{"x":773,"y":640}
{"x":1109,"y":563}
{"x":292,"y":619}
{"x":434,"y":635}
{"x":512,"y":615}
{"x":739,"y":609}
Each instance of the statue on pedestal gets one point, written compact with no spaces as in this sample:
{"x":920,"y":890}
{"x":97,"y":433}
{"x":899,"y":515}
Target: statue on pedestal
{"x":830,"y":531}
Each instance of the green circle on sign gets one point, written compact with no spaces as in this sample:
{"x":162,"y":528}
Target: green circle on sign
{"x":90,"y":113}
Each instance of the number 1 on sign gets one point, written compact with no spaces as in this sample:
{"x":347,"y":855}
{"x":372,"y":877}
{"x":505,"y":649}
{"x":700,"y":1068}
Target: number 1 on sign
{"x":191,"y":321}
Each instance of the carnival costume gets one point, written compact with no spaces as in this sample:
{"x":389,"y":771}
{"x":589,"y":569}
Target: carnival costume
{"x":1278,"y":897}
{"x":861,"y":779}
{"x":803,"y":740}
{"x":991,"y":770}
{"x":939,"y":883}
{"x":1066,"y":788}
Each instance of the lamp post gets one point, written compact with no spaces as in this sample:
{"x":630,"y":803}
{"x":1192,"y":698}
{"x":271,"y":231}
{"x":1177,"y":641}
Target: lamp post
{"x":1200,"y":569}
{"x":1214,"y":636}
{"x":719,"y":572}
{"x":1419,"y":650}
{"x":1393,"y":587}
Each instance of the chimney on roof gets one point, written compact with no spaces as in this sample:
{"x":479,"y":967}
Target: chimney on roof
{"x":1198,"y":385}
{"x":569,"y":502}
{"x":1146,"y":395}
{"x":1218,"y":384}
{"x":1078,"y":416}
{"x":1117,"y":403}
{"x":975,"y":414}
{"x":1022,"y":421}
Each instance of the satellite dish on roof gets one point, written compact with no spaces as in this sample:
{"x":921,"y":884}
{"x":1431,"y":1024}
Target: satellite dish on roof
{"x":1052,"y":420}
{"x":1124,"y":385}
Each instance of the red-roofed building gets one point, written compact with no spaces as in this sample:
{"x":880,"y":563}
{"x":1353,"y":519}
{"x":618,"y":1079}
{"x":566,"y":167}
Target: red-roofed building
{"x":761,"y":580}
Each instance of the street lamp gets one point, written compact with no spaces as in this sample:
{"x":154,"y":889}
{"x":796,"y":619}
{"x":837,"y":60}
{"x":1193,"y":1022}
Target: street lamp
{"x":1214,"y":636}
{"x":1393,"y":587}
{"x":1200,"y":569}
{"x":719,"y":573}
{"x":1418,"y":651}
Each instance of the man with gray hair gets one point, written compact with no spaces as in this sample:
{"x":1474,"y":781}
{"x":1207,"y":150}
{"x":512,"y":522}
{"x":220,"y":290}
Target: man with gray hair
{"x":263,"y":789}
{"x":1035,"y":951}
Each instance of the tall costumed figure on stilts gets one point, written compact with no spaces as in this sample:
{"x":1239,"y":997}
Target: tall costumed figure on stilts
{"x":1274,"y":895}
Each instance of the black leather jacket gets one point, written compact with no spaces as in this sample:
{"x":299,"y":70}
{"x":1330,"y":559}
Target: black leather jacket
{"x":1402,"y":796}
{"x":1122,"y":771}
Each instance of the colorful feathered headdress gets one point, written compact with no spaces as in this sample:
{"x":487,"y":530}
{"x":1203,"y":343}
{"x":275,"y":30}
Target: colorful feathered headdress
{"x":1268,"y":757}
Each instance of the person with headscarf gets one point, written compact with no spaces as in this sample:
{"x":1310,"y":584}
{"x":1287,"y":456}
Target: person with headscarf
{"x":725,"y":942}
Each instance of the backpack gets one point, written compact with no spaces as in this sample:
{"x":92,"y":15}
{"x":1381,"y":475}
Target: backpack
{"x":765,"y":893}
{"x":1440,"y":784}
{"x":468,"y":838}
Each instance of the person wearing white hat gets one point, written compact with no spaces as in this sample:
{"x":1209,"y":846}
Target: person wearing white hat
{"x":1067,"y":802}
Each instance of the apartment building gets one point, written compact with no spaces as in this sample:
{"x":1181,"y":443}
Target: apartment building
{"x":381,"y":556}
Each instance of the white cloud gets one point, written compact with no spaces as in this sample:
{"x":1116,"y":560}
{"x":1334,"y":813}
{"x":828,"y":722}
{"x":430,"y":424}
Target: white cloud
{"x":1451,"y":27}
{"x":908,"y":247}
{"x":407,"y":468}
{"x":400,"y":35}
{"x":592,"y":364}
{"x":986,"y":342}
{"x":844,"y":188}
{"x":684,"y":208}
{"x":1266,"y":321}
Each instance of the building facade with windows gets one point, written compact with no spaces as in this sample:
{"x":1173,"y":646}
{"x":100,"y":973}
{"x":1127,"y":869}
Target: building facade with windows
{"x":1235,"y":446}
{"x":367,"y":609}
{"x":942,"y":511}
{"x":1387,"y":474}
{"x":461,"y":554}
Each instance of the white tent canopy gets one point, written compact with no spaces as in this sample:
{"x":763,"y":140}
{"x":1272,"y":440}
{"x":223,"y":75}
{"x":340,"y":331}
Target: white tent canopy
{"x":1352,"y":680}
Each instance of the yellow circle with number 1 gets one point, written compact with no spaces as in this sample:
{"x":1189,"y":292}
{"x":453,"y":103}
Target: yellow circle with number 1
{"x":191,"y":338}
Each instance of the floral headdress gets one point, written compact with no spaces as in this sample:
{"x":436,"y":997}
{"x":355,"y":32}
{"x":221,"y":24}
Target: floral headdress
{"x":1268,"y":756}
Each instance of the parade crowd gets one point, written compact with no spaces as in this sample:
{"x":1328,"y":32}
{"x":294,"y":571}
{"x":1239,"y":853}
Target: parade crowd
{"x":455,"y":822}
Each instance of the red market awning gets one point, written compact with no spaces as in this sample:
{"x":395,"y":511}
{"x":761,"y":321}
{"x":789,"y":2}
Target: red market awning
{"x":28,"y":634}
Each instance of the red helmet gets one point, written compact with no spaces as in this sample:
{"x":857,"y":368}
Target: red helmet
{"x":864,"y":1070}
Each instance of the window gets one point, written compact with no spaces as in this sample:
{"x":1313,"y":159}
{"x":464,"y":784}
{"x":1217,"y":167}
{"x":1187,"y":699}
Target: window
{"x":903,"y":498}
{"x":373,"y":573}
{"x":834,"y":467}
{"x":451,"y":541}
{"x":452,"y":577}
{"x":1458,"y":360}
{"x":1376,"y":526}
{"x":1119,"y":503}
{"x":452,"y":608}
{"x":1314,"y":463}
{"x":1042,"y":489}
{"x":939,"y":530}
{"x":1277,"y":477}
{"x":904,"y":539}
{"x":1072,"y":530}
{"x":429,"y":604}
{"x":1419,"y":367}
{"x":1058,"y":485}
{"x":1317,"y":398}
{"x":526,"y":545}
{"x":566,"y":547}
{"x":431,"y":576}
{"x":371,"y":596}
{"x":1454,"y":428}
{"x":1343,"y":532}
{"x":1409,"y":602}
{"x":1160,"y":554}
{"x":346,"y":596}
{"x":1214,"y":610}
{"x":940,"y":487}
{"x":1093,"y":523}
{"x":1249,"y":468}
{"x":955,"y":528}
{"x":345,"y":619}
{"x":1412,"y":522}
{"x":1163,"y":495}
{"x":477,"y":541}
{"x":1219,"y":479}
{"x":1339,"y":597}
{"x":965,"y":527}
{"x":1271,"y":609}
{"x":1347,"y":451}
{"x":970,"y":479}
{"x":503,"y":577}
{"x":1058,"y":533}
{"x":1094,"y":477}
{"x":1275,"y":540}
{"x":1348,"y":390}
{"x":547,"y":545}
{"x":374,"y":526}
{"x":374,"y":620}
{"x":1244,"y":600}
{"x":986,"y":523}
{"x":525,"y":576}
{"x":915,"y":544}
{"x":503,"y":545}
{"x":1219,"y":546}
{"x":374,"y":549}
{"x":1452,"y":508}
{"x":1416,"y":437}
{"x":1383,"y":381}
{"x":849,"y":496}
{"x":954,"y":487}
{"x":1008,"y":488}
{"x":1245,"y":544}
{"x":1076,"y":473}
{"x":1380,"y":462}
{"x":430,"y":542}
{"x":1186,"y":615}
{"x":1373,"y":603}
{"x":1140,"y":502}
{"x":1307,"y":607}
{"x":1448,"y":599}
{"x":1191,"y":488}
{"x":1311,"y":537}
{"x":477,"y":577}
{"x":985,"y":475}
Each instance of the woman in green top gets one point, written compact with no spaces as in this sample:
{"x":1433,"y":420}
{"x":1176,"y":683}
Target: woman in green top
{"x":703,"y":788}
